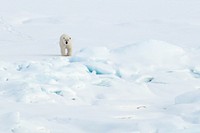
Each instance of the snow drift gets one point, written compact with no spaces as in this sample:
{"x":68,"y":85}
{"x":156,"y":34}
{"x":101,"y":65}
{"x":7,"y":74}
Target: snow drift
{"x":135,"y":58}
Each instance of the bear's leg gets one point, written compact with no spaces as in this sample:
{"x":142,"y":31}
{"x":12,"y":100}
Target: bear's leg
{"x":63,"y":51}
{"x":69,"y":52}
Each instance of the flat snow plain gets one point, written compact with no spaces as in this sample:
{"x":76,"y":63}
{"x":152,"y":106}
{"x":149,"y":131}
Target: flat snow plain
{"x":135,"y":67}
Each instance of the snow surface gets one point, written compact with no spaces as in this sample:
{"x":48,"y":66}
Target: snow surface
{"x":135,"y":67}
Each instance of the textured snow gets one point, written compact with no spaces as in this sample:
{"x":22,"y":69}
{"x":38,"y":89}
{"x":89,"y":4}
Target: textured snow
{"x":134,"y":69}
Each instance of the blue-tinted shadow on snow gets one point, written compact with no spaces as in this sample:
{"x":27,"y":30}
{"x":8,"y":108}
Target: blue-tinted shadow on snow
{"x":103,"y":71}
{"x":195,"y":72}
{"x":97,"y":70}
{"x":99,"y":67}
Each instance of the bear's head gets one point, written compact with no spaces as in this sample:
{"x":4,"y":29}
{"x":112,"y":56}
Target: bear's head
{"x":65,"y":39}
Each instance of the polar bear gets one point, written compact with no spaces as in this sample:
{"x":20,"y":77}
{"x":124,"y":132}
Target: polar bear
{"x":65,"y":43}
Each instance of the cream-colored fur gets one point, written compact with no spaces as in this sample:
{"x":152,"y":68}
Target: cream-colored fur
{"x":65,"y":43}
